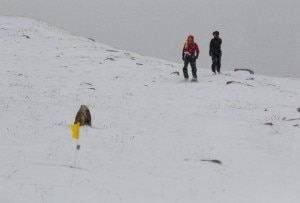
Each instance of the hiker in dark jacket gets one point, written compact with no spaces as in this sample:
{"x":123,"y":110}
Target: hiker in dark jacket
{"x":190,"y":53}
{"x":215,"y":52}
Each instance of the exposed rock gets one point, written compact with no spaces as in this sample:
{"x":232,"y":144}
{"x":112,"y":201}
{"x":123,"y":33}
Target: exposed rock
{"x":83,"y":116}
{"x":213,"y":161}
{"x":244,"y":69}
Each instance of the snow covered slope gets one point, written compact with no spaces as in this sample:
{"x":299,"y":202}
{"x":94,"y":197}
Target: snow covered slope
{"x":154,"y":136}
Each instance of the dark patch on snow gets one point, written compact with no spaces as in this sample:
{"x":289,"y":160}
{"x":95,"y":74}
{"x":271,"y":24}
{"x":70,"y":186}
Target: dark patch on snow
{"x":170,"y":65}
{"x":111,"y":59}
{"x":92,"y":39}
{"x":60,"y":165}
{"x":270,"y":124}
{"x":89,"y":84}
{"x":110,"y":50}
{"x":26,"y":36}
{"x":176,"y":72}
{"x":72,"y":167}
{"x":86,"y":83}
{"x":244,"y":69}
{"x":213,"y":161}
{"x":291,"y":119}
{"x":230,"y":82}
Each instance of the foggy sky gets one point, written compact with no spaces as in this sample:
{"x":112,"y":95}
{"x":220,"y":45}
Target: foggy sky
{"x":260,"y":35}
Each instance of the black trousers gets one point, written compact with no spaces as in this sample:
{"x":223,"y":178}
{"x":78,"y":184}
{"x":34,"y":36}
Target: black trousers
{"x":216,"y":64}
{"x":189,"y":60}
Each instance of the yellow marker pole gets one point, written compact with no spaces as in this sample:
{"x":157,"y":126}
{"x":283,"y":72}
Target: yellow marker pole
{"x":75,"y":130}
{"x":75,"y":134}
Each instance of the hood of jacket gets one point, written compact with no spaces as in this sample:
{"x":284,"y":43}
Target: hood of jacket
{"x":190,"y":36}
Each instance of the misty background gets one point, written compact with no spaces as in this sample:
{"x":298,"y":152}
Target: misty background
{"x":260,"y":35}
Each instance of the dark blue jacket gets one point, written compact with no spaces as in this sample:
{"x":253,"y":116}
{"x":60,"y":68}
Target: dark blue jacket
{"x":215,"y":47}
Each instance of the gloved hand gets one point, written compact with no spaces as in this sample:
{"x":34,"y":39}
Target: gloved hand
{"x":183,"y":58}
{"x":194,"y":57}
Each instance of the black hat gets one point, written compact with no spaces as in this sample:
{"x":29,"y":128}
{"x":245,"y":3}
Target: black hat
{"x":216,"y":33}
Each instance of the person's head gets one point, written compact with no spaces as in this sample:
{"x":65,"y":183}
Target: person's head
{"x":216,"y":33}
{"x":190,"y":39}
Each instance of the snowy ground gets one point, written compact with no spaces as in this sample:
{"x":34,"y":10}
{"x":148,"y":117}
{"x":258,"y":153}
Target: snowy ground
{"x":151,"y":130}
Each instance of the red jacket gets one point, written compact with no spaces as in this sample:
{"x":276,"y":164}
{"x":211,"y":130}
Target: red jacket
{"x":192,"y":48}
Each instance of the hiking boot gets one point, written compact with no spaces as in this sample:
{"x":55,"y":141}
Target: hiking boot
{"x":194,"y":80}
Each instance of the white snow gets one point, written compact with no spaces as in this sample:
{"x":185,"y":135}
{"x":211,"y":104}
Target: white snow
{"x":150,"y":128}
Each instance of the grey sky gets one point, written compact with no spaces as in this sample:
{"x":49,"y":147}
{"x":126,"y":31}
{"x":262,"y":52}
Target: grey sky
{"x":261,"y":35}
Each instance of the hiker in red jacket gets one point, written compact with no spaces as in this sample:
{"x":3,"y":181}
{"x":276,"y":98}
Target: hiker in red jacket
{"x":190,"y":53}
